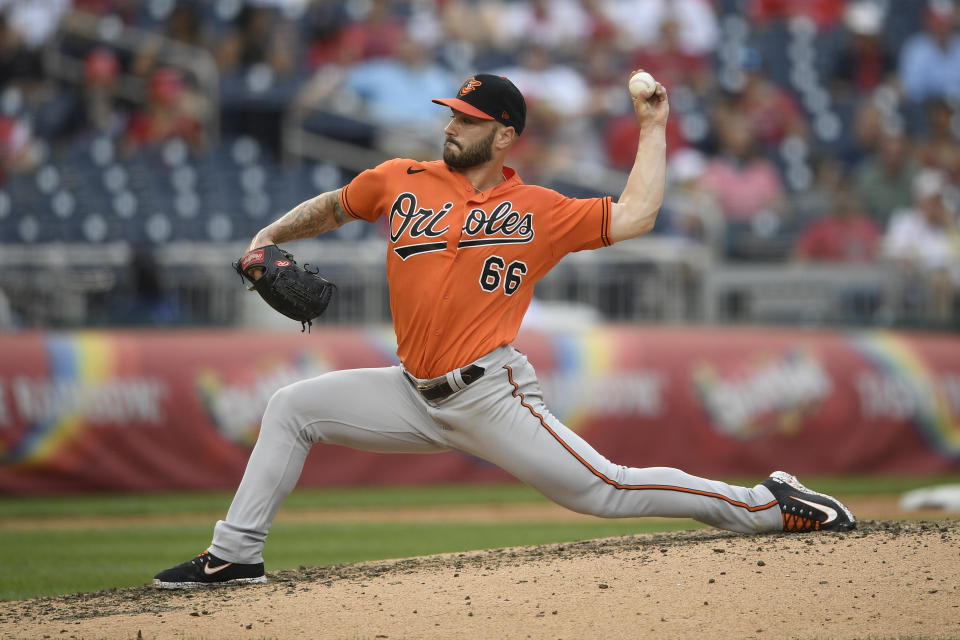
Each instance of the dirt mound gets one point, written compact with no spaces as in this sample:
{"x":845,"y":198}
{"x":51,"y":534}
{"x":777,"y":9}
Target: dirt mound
{"x":884,"y":579}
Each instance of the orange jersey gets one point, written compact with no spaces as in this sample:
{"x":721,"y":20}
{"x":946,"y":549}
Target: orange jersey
{"x":461,"y":265}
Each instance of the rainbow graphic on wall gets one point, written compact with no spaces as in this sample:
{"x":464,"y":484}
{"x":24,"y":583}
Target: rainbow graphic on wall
{"x":76,"y":359}
{"x":931,"y":414}
{"x":580,"y":356}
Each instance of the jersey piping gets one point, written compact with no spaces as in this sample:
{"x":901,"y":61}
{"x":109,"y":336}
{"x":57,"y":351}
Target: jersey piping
{"x":345,"y":204}
{"x":605,"y":222}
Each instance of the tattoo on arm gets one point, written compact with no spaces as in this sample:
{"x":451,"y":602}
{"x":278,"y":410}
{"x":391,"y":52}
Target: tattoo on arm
{"x":310,"y":218}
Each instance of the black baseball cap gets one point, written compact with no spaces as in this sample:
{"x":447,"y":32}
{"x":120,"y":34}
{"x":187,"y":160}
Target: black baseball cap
{"x":492,"y":98}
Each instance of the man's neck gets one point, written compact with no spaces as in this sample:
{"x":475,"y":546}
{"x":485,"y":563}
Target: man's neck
{"x":484,"y":176}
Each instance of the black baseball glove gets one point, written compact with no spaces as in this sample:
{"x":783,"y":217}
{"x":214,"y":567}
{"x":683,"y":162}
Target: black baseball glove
{"x":296,"y":292}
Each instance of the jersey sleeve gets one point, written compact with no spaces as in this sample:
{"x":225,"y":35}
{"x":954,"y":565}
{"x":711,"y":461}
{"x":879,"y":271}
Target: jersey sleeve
{"x":579,"y":223}
{"x":363,"y":197}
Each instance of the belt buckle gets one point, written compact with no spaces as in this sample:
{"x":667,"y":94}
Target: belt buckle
{"x":423,"y":388}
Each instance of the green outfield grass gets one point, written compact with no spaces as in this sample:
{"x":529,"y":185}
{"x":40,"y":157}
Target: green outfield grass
{"x":60,"y":557}
{"x":40,"y":563}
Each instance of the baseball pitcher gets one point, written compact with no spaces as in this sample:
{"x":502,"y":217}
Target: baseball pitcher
{"x":468,"y":242}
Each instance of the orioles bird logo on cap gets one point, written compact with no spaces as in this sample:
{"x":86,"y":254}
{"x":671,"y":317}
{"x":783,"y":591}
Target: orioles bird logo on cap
{"x":469,"y":86}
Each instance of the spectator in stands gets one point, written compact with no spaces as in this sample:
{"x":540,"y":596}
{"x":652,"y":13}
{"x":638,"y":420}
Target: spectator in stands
{"x":924,"y":242}
{"x":745,"y":183}
{"x":670,"y":63}
{"x":939,"y":146}
{"x":258,"y":57}
{"x":640,"y":24}
{"x":556,"y":91}
{"x":183,"y":27}
{"x":552,"y":24}
{"x":17,"y":62}
{"x":91,"y":107}
{"x":750,"y":191}
{"x":620,"y":153}
{"x":351,"y":38}
{"x":448,"y":28}
{"x":26,"y":88}
{"x":845,"y":234}
{"x":35,"y":21}
{"x":872,"y":122}
{"x":884,"y":180}
{"x":95,"y":106}
{"x":930,"y":60}
{"x":817,"y":200}
{"x":172,"y":110}
{"x":602,"y":67}
{"x":598,"y":26}
{"x":393,"y":89}
{"x":259,"y":41}
{"x":19,"y":148}
{"x":559,"y":106}
{"x":771,"y":111}
{"x":689,"y":210}
{"x":392,"y":92}
{"x":863,"y":62}
{"x":379,"y":102}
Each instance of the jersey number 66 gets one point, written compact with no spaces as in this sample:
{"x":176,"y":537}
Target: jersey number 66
{"x":495,"y":271}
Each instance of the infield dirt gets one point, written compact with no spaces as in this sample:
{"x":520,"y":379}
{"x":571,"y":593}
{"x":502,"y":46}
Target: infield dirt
{"x":886,"y":579}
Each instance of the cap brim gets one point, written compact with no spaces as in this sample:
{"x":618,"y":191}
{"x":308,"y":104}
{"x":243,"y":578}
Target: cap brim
{"x":463,"y":107}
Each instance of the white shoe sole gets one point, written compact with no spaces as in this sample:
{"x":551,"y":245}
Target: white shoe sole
{"x":159,"y":584}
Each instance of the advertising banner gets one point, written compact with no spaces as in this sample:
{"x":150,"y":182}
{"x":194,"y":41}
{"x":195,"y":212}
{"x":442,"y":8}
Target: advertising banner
{"x":172,"y":410}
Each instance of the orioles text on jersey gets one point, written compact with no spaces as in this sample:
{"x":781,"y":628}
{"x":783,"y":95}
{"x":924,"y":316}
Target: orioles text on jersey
{"x":420,"y":225}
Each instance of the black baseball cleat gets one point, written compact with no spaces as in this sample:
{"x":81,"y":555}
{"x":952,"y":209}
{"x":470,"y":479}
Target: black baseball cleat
{"x":806,"y":510}
{"x":207,"y":569}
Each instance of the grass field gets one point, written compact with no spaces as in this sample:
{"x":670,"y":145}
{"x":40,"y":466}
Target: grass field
{"x":82,"y":543}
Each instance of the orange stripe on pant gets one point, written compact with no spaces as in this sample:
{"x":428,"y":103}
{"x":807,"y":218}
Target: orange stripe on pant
{"x":617,"y":485}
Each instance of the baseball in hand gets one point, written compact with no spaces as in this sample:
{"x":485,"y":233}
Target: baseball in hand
{"x":642,"y":85}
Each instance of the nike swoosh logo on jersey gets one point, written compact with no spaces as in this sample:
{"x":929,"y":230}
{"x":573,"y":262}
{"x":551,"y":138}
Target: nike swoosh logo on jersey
{"x":412,"y":171}
{"x":208,"y":570}
{"x":830,"y":512}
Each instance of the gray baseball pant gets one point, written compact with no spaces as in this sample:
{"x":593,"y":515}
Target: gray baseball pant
{"x":500,"y":418}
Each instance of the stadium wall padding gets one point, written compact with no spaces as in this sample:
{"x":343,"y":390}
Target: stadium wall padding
{"x":173,"y":410}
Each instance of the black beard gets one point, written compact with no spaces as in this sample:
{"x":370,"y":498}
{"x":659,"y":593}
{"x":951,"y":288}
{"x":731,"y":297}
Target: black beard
{"x":479,"y":153}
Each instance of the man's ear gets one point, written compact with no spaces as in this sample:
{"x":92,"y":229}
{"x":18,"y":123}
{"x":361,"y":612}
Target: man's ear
{"x":505,"y":137}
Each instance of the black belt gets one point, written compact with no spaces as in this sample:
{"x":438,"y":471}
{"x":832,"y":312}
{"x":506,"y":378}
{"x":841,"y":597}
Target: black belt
{"x":441,"y":389}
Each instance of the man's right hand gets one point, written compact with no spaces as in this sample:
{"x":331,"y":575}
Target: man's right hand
{"x":654,"y":110}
